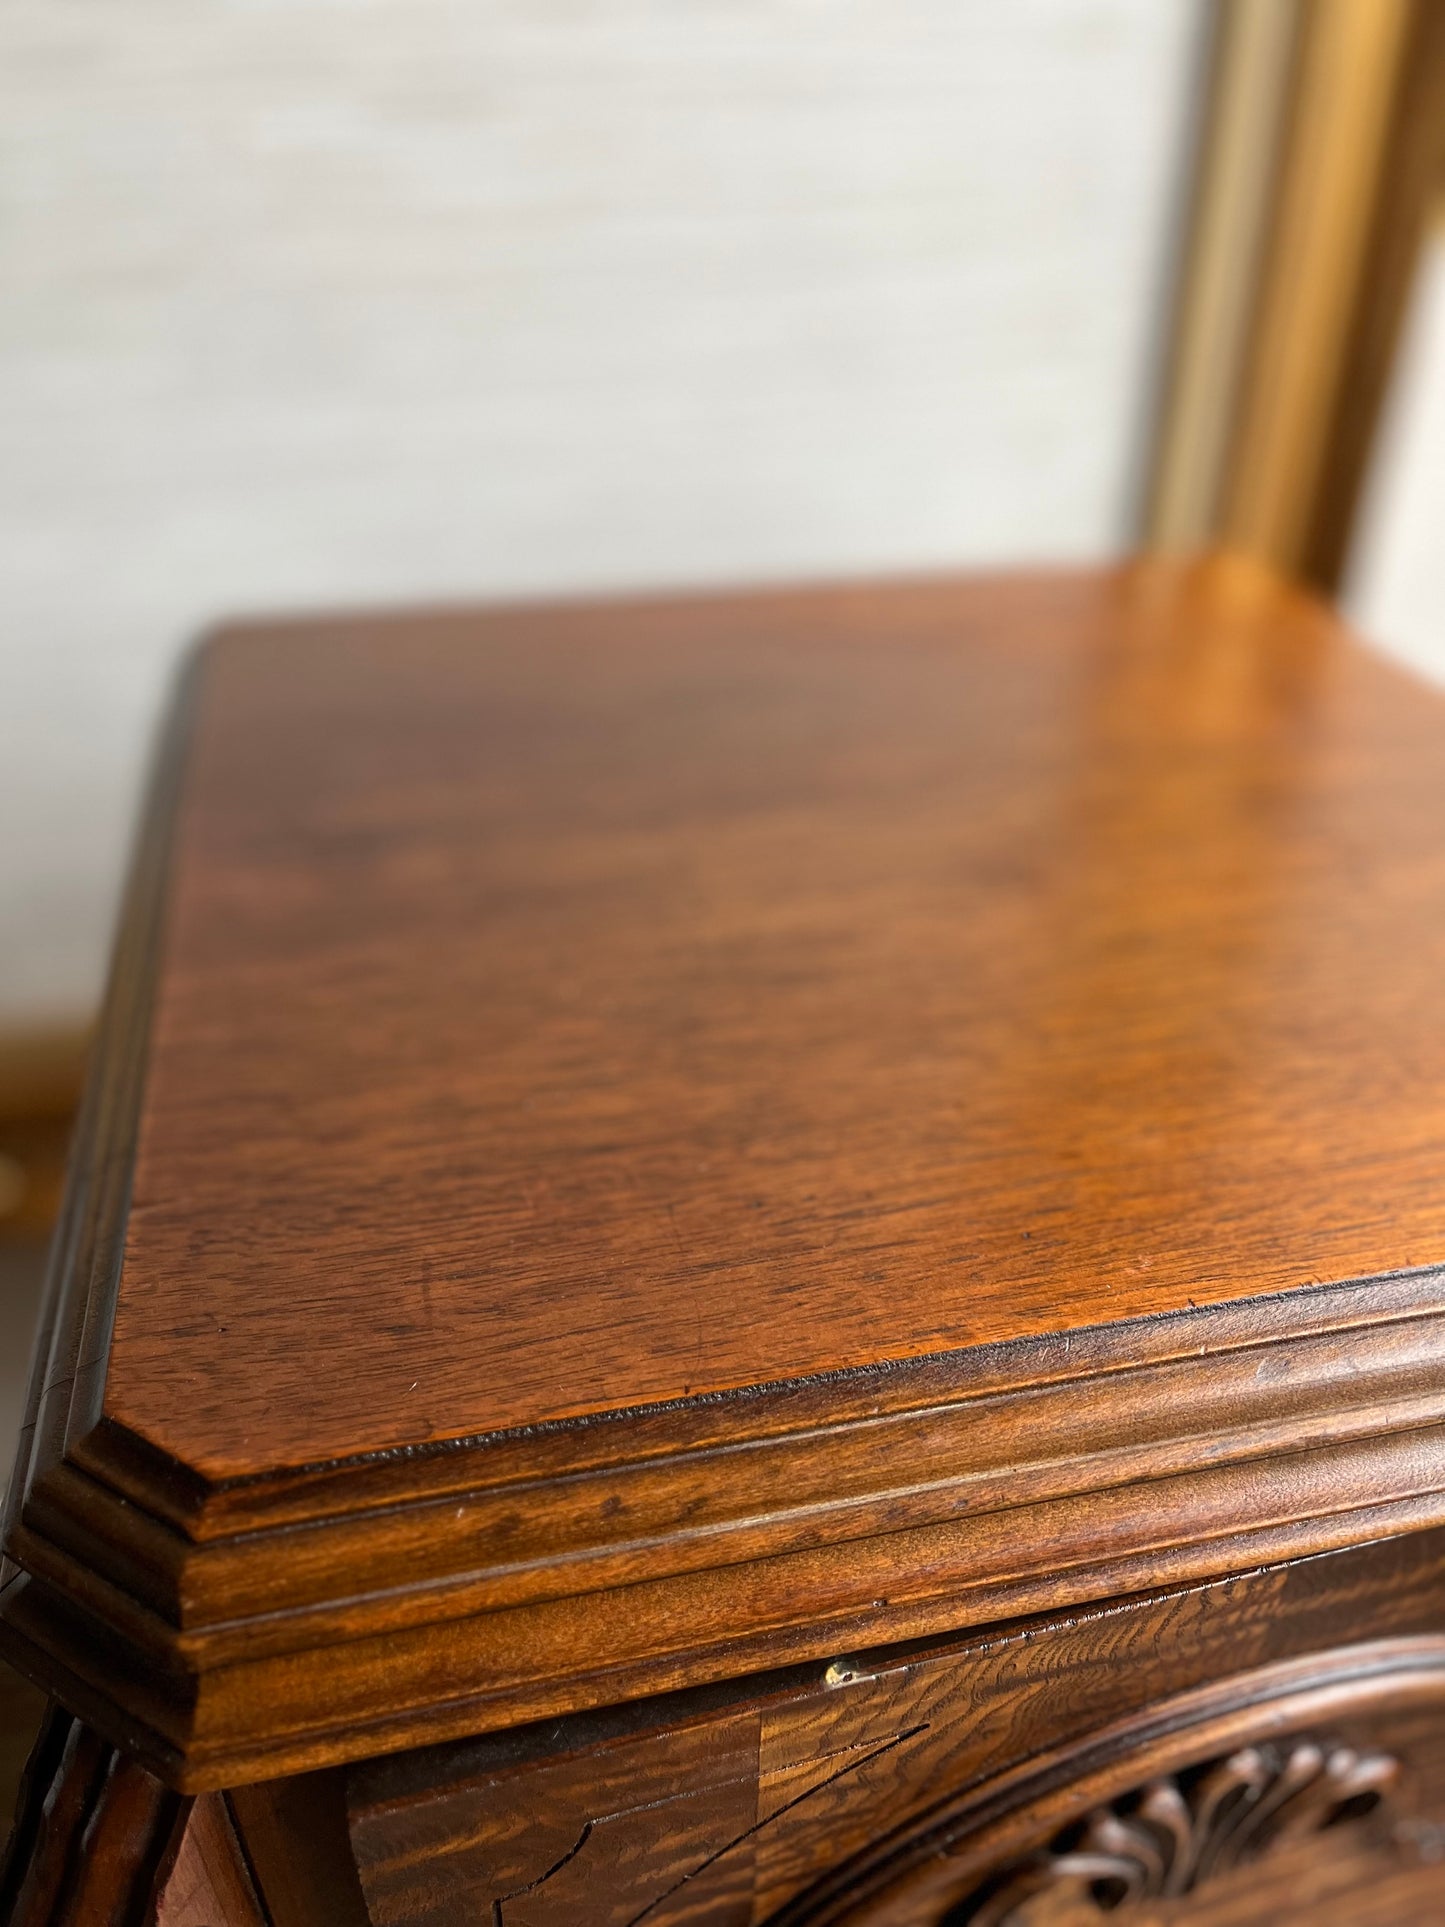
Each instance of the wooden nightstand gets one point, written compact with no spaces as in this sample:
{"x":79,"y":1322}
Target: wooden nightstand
{"x":759,"y":1258}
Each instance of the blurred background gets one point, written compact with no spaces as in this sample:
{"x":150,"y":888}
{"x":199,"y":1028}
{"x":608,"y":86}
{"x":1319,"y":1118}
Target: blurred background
{"x":324,"y":302}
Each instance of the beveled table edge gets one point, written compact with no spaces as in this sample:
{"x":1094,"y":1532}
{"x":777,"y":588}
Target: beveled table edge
{"x":1136,"y":1456}
{"x":236,"y":1630}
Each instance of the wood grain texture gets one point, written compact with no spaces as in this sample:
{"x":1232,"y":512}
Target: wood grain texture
{"x":828,"y":1775}
{"x":209,"y":1884}
{"x":953,"y":1857}
{"x":635,"y":1143}
{"x":563,"y":1011}
{"x":1181,"y":1832}
{"x":293,"y":1833}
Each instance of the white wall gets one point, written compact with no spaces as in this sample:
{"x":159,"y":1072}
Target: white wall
{"x":1396,"y":585}
{"x":316,"y":300}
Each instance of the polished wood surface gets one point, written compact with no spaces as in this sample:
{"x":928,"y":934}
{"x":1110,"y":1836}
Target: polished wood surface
{"x":483,"y":1588}
{"x":838,"y":1106}
{"x":567,"y":1010}
{"x":865,"y":1162}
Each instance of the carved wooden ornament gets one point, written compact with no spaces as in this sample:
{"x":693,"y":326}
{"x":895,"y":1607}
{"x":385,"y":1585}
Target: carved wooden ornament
{"x":1152,"y":1808}
{"x":1181,"y":1830}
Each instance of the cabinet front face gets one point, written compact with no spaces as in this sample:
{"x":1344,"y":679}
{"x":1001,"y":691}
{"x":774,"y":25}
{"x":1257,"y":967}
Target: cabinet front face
{"x":1265,"y":1748}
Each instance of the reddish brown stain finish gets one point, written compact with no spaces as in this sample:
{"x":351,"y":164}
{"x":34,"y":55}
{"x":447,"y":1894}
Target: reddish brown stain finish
{"x":563,"y":1009}
{"x":534,"y":1013}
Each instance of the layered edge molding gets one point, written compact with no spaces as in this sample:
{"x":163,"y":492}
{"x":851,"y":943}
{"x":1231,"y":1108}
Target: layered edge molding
{"x":235,"y":1632}
{"x":1178,"y":1449}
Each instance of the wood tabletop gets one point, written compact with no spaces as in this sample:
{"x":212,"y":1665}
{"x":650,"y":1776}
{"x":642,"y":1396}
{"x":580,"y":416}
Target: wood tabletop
{"x":633,"y":1142}
{"x":574,"y":1008}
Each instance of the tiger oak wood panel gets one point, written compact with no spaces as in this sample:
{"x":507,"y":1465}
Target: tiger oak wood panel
{"x":562,"y":1010}
{"x":618,"y":1818}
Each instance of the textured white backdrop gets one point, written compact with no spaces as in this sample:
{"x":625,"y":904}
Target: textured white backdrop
{"x":325,"y":300}
{"x":1396,"y":581}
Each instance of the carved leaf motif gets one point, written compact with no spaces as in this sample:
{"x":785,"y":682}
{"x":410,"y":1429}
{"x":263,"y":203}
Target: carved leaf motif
{"x":1182,"y":1830}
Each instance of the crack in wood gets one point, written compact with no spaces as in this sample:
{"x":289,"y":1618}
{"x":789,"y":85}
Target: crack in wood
{"x":712,"y":1859}
{"x":500,"y":1900}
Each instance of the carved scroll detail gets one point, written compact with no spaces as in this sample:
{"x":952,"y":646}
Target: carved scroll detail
{"x":1180,"y":1830}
